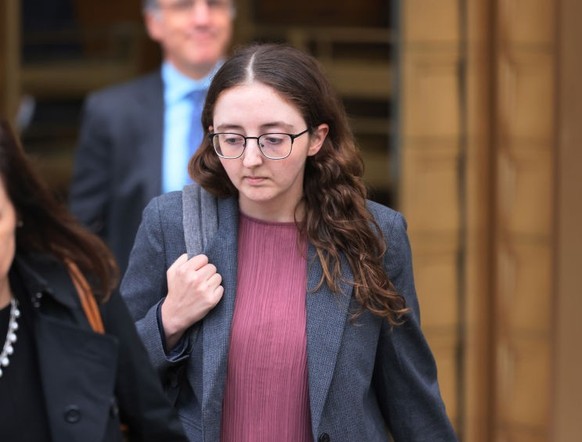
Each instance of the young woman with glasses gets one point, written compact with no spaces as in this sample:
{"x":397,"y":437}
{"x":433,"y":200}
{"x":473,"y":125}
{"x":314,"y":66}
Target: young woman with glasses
{"x":299,"y":321}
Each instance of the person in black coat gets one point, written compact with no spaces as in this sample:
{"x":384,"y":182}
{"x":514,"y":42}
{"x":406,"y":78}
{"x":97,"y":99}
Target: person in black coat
{"x":59,"y":379}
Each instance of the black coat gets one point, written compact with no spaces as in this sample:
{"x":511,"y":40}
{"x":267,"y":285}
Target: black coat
{"x":90,"y":381}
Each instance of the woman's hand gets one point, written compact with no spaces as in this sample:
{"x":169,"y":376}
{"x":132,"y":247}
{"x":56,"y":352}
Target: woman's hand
{"x":193,"y":290}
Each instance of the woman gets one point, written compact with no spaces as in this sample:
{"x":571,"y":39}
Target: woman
{"x":300,"y":321}
{"x":60,"y":380}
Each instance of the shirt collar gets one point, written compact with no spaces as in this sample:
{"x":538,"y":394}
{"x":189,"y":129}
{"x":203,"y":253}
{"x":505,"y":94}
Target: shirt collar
{"x":177,"y":85}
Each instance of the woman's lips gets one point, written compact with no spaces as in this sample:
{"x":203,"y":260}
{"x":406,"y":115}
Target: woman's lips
{"x":255,"y":180}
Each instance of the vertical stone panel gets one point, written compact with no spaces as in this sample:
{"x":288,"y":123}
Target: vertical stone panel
{"x":429,"y":197}
{"x":525,"y":122}
{"x":430,"y":88}
{"x":527,"y":21}
{"x":430,"y":21}
{"x":525,"y":181}
{"x":524,"y":363}
{"x":429,"y":187}
{"x":524,"y":278}
{"x":526,"y":102}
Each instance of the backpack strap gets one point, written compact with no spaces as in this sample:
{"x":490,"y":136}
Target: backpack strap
{"x":200,"y":223}
{"x":199,"y":217}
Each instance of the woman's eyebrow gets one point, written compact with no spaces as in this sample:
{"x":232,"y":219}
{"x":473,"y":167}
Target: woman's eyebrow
{"x":276,"y":124}
{"x":227,"y":127}
{"x":263,"y":127}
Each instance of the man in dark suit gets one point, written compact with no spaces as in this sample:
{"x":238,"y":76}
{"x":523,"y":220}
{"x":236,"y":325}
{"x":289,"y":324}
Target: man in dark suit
{"x":136,"y":138}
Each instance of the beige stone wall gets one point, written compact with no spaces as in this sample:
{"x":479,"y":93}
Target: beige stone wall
{"x":478,"y":152}
{"x":524,"y":143}
{"x":429,"y":184}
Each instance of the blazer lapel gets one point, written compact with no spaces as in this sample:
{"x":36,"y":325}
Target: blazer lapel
{"x":327,"y":313}
{"x":151,"y":124}
{"x":222,"y":252}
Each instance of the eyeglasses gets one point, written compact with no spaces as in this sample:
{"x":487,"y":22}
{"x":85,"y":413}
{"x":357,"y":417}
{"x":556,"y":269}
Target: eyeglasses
{"x":274,"y":146}
{"x":183,"y":6}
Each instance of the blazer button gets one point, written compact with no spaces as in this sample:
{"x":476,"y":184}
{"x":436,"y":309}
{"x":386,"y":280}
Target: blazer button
{"x":114,"y":410}
{"x":72,"y":414}
{"x":324,"y":437}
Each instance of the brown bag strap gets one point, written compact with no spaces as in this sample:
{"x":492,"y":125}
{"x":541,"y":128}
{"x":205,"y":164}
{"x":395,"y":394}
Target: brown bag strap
{"x":87,"y":299}
{"x":91,"y":310}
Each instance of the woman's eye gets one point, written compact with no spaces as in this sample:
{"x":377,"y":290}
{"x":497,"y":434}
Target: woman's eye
{"x":233,"y":140}
{"x":273,"y":140}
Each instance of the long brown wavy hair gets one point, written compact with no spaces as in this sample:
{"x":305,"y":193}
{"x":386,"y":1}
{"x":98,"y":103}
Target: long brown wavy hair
{"x":336,"y":219}
{"x":47,"y":226}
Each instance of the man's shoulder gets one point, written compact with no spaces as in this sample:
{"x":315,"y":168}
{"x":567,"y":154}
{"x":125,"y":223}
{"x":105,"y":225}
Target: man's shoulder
{"x":150,"y":83}
{"x":128,"y":98}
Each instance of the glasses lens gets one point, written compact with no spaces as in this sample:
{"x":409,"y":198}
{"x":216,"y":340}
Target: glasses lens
{"x":229,"y":145}
{"x":275,"y":146}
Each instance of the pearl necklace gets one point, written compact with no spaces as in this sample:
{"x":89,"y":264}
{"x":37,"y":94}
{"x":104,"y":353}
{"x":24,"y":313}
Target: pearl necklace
{"x":8,"y":348}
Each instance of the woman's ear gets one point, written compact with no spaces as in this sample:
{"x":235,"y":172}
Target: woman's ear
{"x":317,"y":138}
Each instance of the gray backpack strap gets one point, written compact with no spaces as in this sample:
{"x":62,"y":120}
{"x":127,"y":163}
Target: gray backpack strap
{"x":199,"y":217}
{"x":200,"y":221}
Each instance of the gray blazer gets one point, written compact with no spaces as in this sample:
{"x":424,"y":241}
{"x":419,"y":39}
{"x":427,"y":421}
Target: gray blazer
{"x":366,"y":381}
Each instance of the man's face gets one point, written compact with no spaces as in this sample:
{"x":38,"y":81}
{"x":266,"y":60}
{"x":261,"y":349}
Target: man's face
{"x":194,"y":34}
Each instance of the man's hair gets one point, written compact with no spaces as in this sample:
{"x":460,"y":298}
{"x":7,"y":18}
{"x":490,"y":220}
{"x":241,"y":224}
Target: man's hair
{"x":152,"y":4}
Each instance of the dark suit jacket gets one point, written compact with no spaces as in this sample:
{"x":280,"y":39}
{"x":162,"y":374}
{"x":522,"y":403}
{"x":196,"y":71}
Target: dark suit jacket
{"x":118,"y":164}
{"x":99,"y":378}
{"x":365,"y":379}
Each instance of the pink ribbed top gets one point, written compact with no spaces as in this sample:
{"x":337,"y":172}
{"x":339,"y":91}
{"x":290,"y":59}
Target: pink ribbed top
{"x":266,"y":396}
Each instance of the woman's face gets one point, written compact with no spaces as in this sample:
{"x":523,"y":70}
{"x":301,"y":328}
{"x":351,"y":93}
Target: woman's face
{"x":268,"y":189}
{"x":7,"y":240}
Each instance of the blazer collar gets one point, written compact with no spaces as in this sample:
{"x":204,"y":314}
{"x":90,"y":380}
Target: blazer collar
{"x":44,"y":275}
{"x":327,"y":314}
{"x":222,"y":252}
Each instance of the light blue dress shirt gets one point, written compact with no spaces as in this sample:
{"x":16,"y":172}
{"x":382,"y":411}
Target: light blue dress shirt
{"x":178,"y":117}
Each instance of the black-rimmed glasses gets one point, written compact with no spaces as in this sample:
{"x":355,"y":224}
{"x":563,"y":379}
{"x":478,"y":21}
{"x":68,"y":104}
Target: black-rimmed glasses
{"x":274,"y":146}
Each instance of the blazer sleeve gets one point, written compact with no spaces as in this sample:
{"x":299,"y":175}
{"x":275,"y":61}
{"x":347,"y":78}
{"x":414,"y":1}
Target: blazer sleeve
{"x":144,"y":285}
{"x":91,"y":180}
{"x":405,"y":376}
{"x":142,"y":403}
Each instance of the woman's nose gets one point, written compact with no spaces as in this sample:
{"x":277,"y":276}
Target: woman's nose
{"x":252,"y":154}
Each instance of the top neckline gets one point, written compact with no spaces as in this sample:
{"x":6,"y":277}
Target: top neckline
{"x":268,"y":223}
